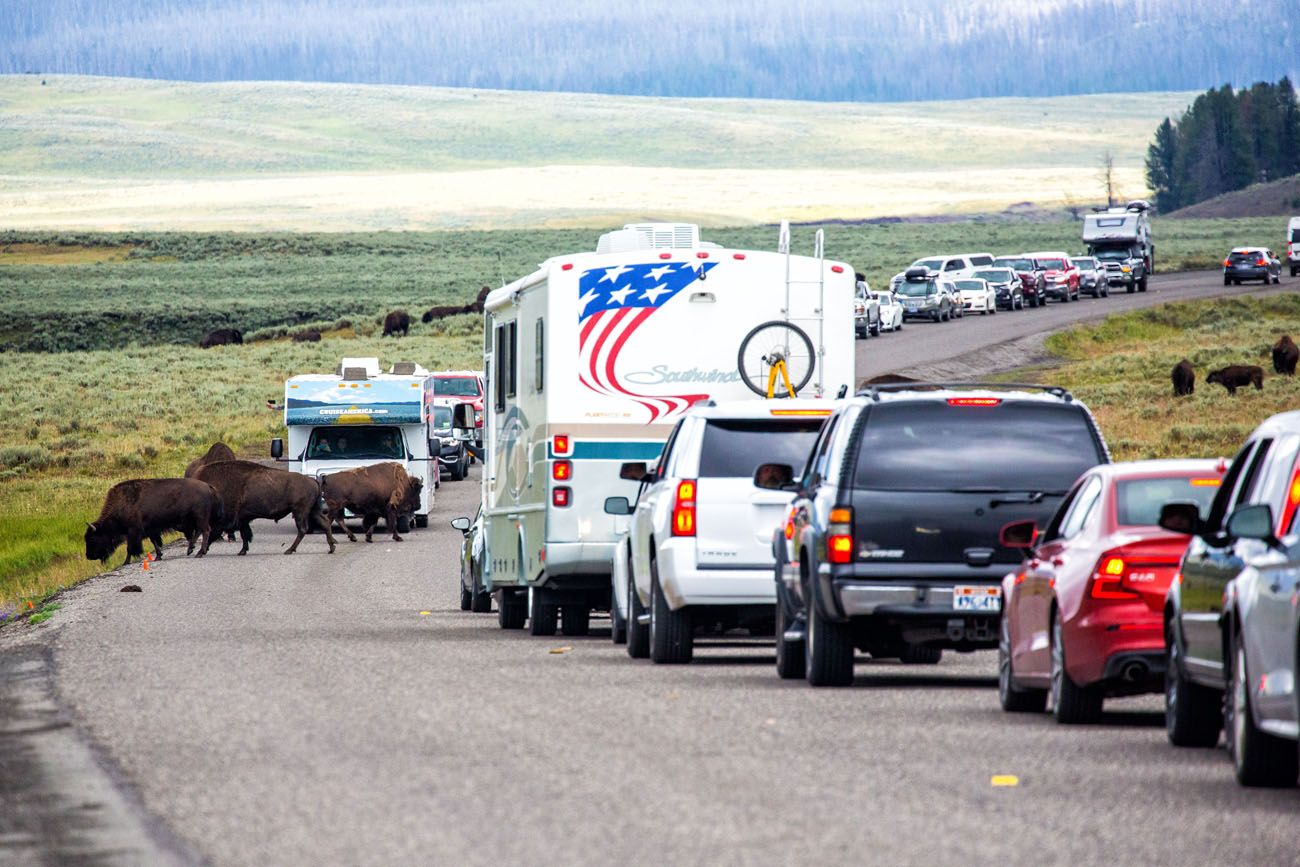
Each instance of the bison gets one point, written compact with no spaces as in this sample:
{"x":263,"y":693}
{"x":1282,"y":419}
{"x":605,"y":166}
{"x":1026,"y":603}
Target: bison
{"x":141,"y":509}
{"x":1236,"y":376}
{"x":397,"y":322}
{"x":311,"y":335}
{"x":476,"y":306}
{"x":1285,"y":355}
{"x":218,"y":452}
{"x":250,"y":491}
{"x":221,"y":337}
{"x":371,"y":491}
{"x":1184,"y":378}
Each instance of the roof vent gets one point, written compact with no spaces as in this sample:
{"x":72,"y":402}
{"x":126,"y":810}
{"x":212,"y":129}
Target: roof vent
{"x":650,"y":236}
{"x":361,"y":368}
{"x":355,"y":374}
{"x":404,"y":368}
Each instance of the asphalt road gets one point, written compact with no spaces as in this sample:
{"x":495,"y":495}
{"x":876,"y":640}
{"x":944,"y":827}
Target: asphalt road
{"x":320,"y":709}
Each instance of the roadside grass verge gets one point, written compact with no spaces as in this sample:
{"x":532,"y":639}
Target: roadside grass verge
{"x":1120,"y":368}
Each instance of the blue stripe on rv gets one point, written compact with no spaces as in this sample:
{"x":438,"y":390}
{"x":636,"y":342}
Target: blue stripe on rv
{"x":611,"y":450}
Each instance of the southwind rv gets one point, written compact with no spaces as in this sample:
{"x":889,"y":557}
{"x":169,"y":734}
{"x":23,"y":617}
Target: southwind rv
{"x":590,"y":361}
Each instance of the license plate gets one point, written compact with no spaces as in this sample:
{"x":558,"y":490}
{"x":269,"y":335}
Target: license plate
{"x":965,"y":598}
{"x":911,"y":308}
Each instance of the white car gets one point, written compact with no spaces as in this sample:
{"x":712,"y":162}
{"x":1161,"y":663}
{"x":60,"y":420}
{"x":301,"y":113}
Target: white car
{"x":891,"y":311}
{"x":977,"y":294}
{"x":954,"y":265}
{"x":700,"y":539}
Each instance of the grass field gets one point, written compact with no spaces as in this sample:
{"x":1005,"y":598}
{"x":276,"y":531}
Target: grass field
{"x":109,"y":153}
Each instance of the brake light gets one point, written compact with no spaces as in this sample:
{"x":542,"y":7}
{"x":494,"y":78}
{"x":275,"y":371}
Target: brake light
{"x":837,"y":269}
{"x":1204,"y":483}
{"x":562,"y":471}
{"x":974,"y":401}
{"x":1227,"y":262}
{"x":561,"y":497}
{"x":783,"y":412}
{"x":1261,"y":262}
{"x":1108,"y":580}
{"x":561,"y":445}
{"x":684,"y":509}
{"x":1292,"y":501}
{"x":839,"y":536}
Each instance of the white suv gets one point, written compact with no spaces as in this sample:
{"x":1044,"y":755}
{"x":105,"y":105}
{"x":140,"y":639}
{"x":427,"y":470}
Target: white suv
{"x":700,"y":540}
{"x":955,"y":265}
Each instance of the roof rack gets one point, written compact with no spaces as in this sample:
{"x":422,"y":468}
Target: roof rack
{"x":874,"y":391}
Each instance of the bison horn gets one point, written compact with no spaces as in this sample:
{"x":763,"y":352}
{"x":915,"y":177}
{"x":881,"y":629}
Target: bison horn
{"x":91,"y":526}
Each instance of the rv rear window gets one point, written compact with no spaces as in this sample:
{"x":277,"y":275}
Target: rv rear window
{"x":734,"y":449}
{"x":1110,"y":222}
{"x":1295,"y":236}
{"x":539,"y":356}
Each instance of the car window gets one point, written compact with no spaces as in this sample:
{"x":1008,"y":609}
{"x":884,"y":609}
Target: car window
{"x":1275,"y":478}
{"x":817,"y":460}
{"x":953,"y":265}
{"x":981,"y":260}
{"x":1250,"y":482}
{"x":839,"y":446}
{"x":1082,"y":509}
{"x":1219,"y":508}
{"x":733,"y":449}
{"x":661,"y":466}
{"x":1053,"y":529}
{"x":1138,"y":501}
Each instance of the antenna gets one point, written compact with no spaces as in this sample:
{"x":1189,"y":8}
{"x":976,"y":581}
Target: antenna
{"x":783,"y":239}
{"x":500,"y":271}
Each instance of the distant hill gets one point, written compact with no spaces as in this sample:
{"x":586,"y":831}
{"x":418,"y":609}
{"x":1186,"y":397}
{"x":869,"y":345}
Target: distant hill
{"x":839,"y":50}
{"x":1275,"y":199}
{"x":132,"y":153}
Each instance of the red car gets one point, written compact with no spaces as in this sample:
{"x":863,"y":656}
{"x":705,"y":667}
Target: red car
{"x":1061,"y":275}
{"x":1082,"y":618}
{"x":465,"y":386}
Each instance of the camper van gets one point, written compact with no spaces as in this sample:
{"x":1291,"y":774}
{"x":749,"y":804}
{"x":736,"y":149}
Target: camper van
{"x":1120,"y":238}
{"x":358,"y":416}
{"x":1293,"y":245}
{"x":592,"y":358}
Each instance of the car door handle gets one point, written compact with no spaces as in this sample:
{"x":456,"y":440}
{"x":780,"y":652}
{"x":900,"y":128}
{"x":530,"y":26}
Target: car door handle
{"x":1057,"y":561}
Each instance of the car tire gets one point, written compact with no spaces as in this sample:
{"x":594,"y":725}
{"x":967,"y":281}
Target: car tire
{"x":1226,"y":281}
{"x":575,"y":620}
{"x":828,"y":649}
{"x":465,"y":598}
{"x":790,"y":663}
{"x":1142,"y":284}
{"x":421,"y":521}
{"x":638,"y":634}
{"x":1072,"y":704}
{"x":1105,"y":293}
{"x":672,"y":638}
{"x":859,"y":334}
{"x":919,"y":654}
{"x":543,"y":618}
{"x":512,"y":609}
{"x":1014,"y":699}
{"x":1258,"y":758}
{"x":1295,"y":271}
{"x":1193,"y":713}
{"x":403,"y":524}
{"x":617,"y":625}
{"x":480,"y":600}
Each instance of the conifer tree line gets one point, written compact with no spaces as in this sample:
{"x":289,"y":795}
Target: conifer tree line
{"x":1226,"y":140}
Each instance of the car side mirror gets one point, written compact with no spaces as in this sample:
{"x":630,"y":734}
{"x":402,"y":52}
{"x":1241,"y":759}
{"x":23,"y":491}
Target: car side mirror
{"x":774,"y":477}
{"x":461,"y":524}
{"x":462,"y":421}
{"x":1181,"y":517}
{"x":634,"y":471}
{"x":1018,"y":534}
{"x":618,"y":506}
{"x":277,"y":448}
{"x":1253,"y":522}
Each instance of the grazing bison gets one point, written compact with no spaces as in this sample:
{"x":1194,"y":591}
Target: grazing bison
{"x":379,"y":489}
{"x":251,"y":491}
{"x":1285,"y":355}
{"x":1184,"y":378}
{"x":397,"y":322}
{"x":309,"y":336}
{"x":141,"y":509}
{"x":218,"y":452}
{"x":452,"y":310}
{"x":888,"y":379}
{"x":221,"y":337}
{"x":1236,"y":376}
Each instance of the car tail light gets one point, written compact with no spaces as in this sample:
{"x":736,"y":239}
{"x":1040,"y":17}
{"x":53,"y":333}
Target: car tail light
{"x":561,"y":445}
{"x":561,"y":497}
{"x":1261,"y":262}
{"x":1227,"y":262}
{"x":1108,"y":580}
{"x":684,"y":509}
{"x":839,"y":536}
{"x":1292,"y":502}
{"x":1120,"y":574}
{"x":562,"y":471}
{"x":974,"y":401}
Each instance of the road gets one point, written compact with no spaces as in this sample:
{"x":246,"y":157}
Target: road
{"x":320,"y":709}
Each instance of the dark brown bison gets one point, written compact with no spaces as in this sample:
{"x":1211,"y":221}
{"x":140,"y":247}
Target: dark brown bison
{"x":1236,"y":376}
{"x":476,"y":306}
{"x":888,"y":379}
{"x":218,"y":452}
{"x":1184,"y":378}
{"x":397,"y":322}
{"x":309,"y":336}
{"x":1285,"y":355}
{"x":251,"y":491}
{"x":377,"y":490}
{"x":141,"y":509}
{"x":221,"y":337}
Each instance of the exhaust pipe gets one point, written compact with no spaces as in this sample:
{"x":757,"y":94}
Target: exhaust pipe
{"x":1134,"y":671}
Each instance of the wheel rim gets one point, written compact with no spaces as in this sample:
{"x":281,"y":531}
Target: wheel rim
{"x":1237,"y":707}
{"x":1058,"y":665}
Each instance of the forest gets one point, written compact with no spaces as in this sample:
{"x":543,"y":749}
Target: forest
{"x":860,"y":50}
{"x":1228,"y":139}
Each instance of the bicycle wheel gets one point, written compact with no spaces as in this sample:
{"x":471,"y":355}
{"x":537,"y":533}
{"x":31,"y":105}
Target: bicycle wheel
{"x":769,"y":343}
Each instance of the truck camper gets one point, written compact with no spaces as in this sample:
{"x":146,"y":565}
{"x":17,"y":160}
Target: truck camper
{"x":358,"y":416}
{"x":591,"y":360}
{"x":1120,"y":238}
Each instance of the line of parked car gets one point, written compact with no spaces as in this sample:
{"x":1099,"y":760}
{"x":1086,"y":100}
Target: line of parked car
{"x":839,"y":528}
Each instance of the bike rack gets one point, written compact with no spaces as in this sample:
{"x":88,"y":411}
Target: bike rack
{"x":819,"y":246}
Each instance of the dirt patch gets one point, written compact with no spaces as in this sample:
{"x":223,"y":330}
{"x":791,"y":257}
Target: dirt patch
{"x":61,"y":254}
{"x":1028,"y":351}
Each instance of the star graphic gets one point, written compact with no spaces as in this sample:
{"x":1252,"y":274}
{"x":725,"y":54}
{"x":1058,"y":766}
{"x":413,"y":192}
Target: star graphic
{"x":652,"y":295}
{"x":612,"y":274}
{"x":657,"y":274}
{"x":585,"y":299}
{"x":619,"y":296}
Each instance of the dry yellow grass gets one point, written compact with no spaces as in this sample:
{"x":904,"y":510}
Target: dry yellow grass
{"x":56,"y":254}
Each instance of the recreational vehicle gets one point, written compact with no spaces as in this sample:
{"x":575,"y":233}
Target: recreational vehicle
{"x":592,"y":358}
{"x":1120,"y":238}
{"x":359,"y":416}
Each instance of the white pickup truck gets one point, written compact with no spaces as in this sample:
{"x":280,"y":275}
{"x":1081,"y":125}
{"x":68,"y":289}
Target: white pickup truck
{"x":700,"y":540}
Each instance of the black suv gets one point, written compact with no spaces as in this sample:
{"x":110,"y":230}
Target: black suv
{"x":892,"y":547}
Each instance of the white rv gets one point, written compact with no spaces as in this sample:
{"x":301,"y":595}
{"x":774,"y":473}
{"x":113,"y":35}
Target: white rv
{"x":590,"y":361}
{"x":359,"y":416}
{"x":1120,"y":238}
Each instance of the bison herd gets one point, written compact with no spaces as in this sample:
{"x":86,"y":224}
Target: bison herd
{"x":221,"y":494}
{"x":1235,"y":376}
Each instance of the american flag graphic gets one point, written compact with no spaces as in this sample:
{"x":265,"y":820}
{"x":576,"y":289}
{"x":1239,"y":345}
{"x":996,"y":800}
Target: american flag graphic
{"x":612,"y":304}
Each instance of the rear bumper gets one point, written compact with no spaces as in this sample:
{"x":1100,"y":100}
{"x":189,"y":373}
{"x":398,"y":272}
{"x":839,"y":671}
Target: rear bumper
{"x":1100,"y":646}
{"x":686,"y":584}
{"x":1247,"y":273}
{"x":858,"y":599}
{"x":570,"y":560}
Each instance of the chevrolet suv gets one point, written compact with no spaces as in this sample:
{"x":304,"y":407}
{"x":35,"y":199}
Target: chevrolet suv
{"x":890,"y":545}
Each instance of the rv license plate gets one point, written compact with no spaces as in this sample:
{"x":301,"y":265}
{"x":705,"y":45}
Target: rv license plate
{"x":966,"y":598}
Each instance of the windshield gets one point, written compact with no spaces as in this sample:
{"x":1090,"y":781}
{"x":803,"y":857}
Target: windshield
{"x":734,"y":449}
{"x":996,"y":275}
{"x":351,"y":443}
{"x":1089,"y":264}
{"x":970,"y":285}
{"x":1244,"y":255}
{"x":456,"y":386}
{"x":1138,"y":501}
{"x":1119,"y":255}
{"x":932,"y":264}
{"x":1017,"y":264}
{"x":915,"y":290}
{"x":1014,"y":446}
{"x":441,"y":417}
{"x":1052,"y":264}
